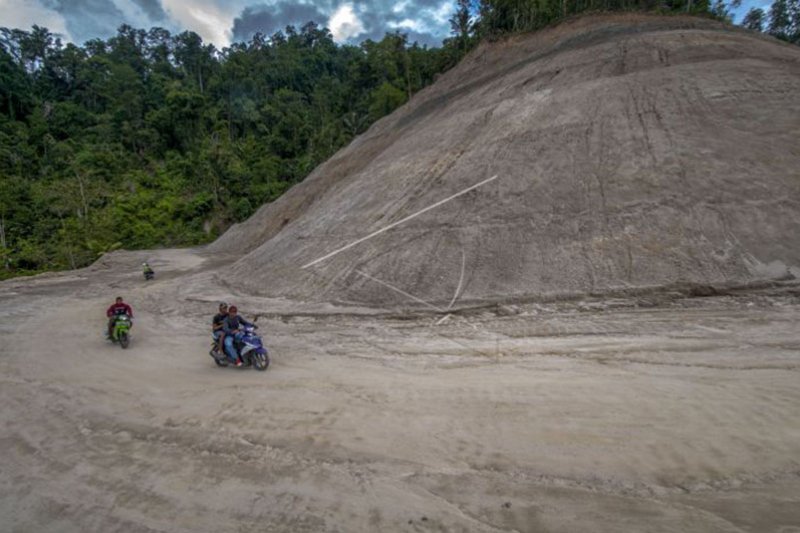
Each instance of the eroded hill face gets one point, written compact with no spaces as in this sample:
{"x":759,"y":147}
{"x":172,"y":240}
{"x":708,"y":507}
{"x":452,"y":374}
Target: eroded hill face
{"x":631,"y":151}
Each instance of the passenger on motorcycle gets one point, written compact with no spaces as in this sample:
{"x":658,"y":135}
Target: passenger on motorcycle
{"x":118,"y":308}
{"x":216,"y":326}
{"x":231,"y":326}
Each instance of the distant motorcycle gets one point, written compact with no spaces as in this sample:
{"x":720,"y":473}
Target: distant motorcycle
{"x":148,"y":272}
{"x":120,"y":331}
{"x":250,"y":350}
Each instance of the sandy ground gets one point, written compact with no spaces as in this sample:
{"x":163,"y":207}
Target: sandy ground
{"x":605,"y":416}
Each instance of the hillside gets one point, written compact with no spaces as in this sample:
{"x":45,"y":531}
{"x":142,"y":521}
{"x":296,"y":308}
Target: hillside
{"x":632,"y":151}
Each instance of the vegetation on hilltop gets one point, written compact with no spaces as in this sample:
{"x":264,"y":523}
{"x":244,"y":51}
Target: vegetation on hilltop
{"x":782,"y":20}
{"x":151,"y":139}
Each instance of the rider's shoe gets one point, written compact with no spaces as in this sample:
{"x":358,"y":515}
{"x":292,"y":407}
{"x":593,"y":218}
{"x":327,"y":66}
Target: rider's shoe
{"x":238,"y":363}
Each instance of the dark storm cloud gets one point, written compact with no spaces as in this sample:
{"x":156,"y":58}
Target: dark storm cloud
{"x":268,"y":19}
{"x":380,"y":18}
{"x":422,"y":20}
{"x":89,"y":19}
{"x":377,"y":17}
{"x":152,"y":8}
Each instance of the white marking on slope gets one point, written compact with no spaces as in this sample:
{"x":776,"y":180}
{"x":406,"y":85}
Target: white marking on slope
{"x":460,"y":279}
{"x":395,"y":224}
{"x":404,"y":293}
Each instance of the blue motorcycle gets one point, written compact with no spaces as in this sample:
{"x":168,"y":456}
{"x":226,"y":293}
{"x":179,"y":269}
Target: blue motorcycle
{"x":249,"y":348}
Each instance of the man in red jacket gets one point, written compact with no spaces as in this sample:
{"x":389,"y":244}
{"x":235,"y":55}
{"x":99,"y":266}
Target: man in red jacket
{"x":118,"y":308}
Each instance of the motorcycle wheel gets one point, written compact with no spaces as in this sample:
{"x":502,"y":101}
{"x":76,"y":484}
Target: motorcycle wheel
{"x":260,"y":361}
{"x":220,"y":362}
{"x":123,"y":340}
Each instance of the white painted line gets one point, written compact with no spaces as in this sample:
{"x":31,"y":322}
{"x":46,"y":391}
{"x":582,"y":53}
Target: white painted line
{"x":394,"y":224}
{"x":404,"y":293}
{"x":460,"y":279}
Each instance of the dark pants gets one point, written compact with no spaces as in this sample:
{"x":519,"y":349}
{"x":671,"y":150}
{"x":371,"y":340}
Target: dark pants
{"x":219,"y":336}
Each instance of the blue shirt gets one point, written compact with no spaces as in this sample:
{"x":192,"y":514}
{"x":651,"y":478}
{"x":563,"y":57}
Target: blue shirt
{"x":230,"y":324}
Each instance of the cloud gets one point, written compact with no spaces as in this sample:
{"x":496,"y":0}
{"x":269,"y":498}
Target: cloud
{"x":221,"y":21}
{"x":424,"y":21}
{"x":24,"y":15}
{"x":421,"y":20}
{"x":345,"y":24}
{"x":209,"y":20}
{"x":88,"y":19}
{"x":152,"y":8}
{"x":268,"y":19}
{"x":442,"y":12}
{"x":401,"y":6}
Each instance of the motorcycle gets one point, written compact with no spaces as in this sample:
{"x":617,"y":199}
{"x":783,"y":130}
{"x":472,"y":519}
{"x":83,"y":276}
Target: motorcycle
{"x":249,"y":348}
{"x":120,"y":331}
{"x":149,"y":274}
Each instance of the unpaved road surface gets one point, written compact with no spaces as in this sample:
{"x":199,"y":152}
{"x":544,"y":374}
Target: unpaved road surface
{"x":643,"y":415}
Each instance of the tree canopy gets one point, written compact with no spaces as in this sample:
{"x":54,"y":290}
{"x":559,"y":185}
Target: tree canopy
{"x":152,"y":139}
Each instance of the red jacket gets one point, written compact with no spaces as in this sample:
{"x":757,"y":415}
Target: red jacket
{"x":117,"y":309}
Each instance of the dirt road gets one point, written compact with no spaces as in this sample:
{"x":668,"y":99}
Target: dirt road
{"x":640,"y":415}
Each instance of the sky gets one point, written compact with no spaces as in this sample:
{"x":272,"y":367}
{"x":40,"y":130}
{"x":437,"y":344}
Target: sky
{"x":224,"y":21}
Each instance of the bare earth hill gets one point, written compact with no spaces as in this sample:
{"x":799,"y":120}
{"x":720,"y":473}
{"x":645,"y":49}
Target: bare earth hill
{"x":631,"y":151}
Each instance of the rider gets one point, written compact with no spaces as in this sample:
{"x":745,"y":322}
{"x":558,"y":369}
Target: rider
{"x":216,"y":326}
{"x":118,"y":308}
{"x":146,"y":269}
{"x":231,"y":326}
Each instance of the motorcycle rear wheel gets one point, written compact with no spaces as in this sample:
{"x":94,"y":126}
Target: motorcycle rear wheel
{"x":219,"y":362}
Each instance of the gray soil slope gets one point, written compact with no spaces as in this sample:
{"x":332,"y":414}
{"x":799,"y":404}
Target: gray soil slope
{"x":631,"y":152}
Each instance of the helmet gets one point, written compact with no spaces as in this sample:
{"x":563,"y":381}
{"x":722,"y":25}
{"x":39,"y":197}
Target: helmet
{"x":232,"y":309}
{"x":223,"y":304}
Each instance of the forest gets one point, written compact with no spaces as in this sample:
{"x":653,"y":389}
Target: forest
{"x":149,"y":139}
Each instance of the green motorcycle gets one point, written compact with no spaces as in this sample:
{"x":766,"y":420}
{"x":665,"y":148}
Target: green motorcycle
{"x":120,"y":332}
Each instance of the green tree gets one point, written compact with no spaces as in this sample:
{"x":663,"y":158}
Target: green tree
{"x":461,"y":25}
{"x":385,"y":99}
{"x":784,"y":20}
{"x":754,"y":19}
